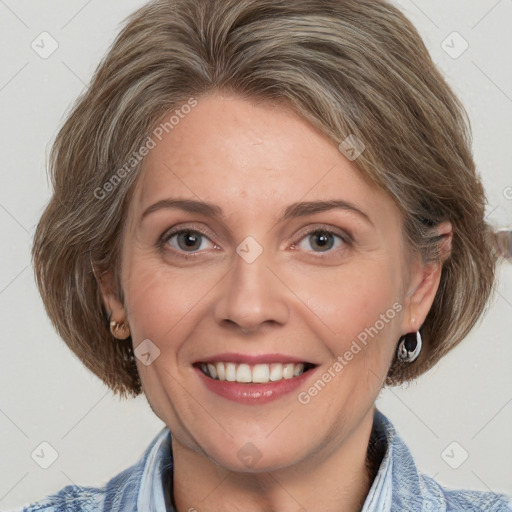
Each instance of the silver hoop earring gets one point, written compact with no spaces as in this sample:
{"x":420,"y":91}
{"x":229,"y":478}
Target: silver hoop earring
{"x":409,"y":347}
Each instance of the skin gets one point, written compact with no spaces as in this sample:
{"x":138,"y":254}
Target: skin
{"x":297,"y":298}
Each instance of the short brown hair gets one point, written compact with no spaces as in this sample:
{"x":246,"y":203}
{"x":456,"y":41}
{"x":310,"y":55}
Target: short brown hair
{"x":350,"y":67}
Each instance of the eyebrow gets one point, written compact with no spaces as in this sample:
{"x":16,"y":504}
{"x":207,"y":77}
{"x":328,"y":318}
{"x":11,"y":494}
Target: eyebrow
{"x":294,"y":210}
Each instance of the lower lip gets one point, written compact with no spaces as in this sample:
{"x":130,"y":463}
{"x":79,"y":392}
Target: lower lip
{"x":254,"y":394}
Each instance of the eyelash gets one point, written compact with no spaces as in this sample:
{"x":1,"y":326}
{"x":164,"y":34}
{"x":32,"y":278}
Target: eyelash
{"x":330,"y":253}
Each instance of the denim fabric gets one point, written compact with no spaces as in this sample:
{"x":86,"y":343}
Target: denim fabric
{"x":398,"y":486}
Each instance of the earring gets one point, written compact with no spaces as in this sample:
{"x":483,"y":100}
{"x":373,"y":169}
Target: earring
{"x":115,"y":327}
{"x":409,"y":347}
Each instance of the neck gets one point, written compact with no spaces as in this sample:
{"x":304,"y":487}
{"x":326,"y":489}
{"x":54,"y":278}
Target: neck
{"x":331,"y":480}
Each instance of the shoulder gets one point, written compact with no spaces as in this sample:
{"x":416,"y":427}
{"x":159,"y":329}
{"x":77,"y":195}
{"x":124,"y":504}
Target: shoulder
{"x":400,"y":485}
{"x":465,"y":500}
{"x":71,"y":498}
{"x":120,"y":492}
{"x":114,"y":496}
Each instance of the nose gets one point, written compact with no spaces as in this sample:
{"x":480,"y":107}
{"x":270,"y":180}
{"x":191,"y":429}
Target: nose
{"x":251,"y":295}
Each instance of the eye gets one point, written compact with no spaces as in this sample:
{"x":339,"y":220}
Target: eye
{"x":186,"y":241}
{"x":322,"y":240}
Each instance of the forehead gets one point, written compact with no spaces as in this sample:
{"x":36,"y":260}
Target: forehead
{"x":250,"y":157}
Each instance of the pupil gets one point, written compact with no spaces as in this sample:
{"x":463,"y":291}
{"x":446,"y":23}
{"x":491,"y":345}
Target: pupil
{"x":323,"y":236}
{"x":190,"y":240}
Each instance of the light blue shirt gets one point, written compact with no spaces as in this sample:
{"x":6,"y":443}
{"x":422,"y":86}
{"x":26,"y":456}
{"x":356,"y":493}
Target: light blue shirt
{"x":398,"y":486}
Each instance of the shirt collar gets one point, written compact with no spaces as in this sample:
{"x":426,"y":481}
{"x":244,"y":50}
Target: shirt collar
{"x":156,"y":479}
{"x":397,"y":485}
{"x":394,"y":483}
{"x":380,"y":496}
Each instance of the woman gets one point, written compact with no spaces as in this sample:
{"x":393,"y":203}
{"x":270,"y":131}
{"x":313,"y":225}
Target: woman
{"x":264,"y":212}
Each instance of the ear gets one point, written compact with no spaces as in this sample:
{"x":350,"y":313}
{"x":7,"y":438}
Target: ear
{"x":424,"y":282}
{"x":113,"y":304}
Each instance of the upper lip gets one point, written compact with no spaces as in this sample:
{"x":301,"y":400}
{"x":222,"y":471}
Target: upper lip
{"x":230,"y":357}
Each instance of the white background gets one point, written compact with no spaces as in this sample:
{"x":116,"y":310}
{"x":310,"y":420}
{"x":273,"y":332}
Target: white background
{"x":46,"y":394}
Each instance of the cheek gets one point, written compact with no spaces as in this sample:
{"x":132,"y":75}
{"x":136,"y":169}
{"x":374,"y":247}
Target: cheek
{"x":351,"y":298}
{"x":339,"y":304}
{"x":161,"y":302}
{"x":356,"y":315}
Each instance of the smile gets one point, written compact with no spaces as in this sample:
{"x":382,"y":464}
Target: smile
{"x":253,"y":374}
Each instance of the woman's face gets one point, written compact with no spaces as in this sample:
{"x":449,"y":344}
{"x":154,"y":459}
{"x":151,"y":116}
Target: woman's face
{"x":244,"y":276}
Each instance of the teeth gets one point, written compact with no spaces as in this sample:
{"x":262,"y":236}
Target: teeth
{"x":288,"y":371}
{"x":230,"y":372}
{"x":261,"y":373}
{"x":243,"y":373}
{"x":221,"y":371}
{"x":258,"y":373}
{"x":276,"y":371}
{"x":212,"y":370}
